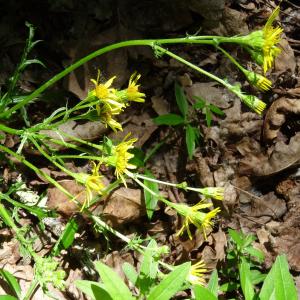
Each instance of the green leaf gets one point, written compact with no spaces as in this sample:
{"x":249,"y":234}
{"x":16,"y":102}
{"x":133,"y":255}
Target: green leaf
{"x":169,"y":119}
{"x":245,"y":279}
{"x":213,"y":284}
{"x":216,"y":110}
{"x":190,"y":139}
{"x":93,"y":289}
{"x":255,"y":252}
{"x":139,"y":156}
{"x":181,"y":100}
{"x":114,"y":285}
{"x":203,"y":293}
{"x":279,"y":283}
{"x":236,"y":237}
{"x":150,"y":200}
{"x":7,"y":297}
{"x":11,"y":281}
{"x":171,"y":284}
{"x":67,"y":237}
{"x":257,"y":277}
{"x":130,"y":272}
{"x":149,"y":264}
{"x":208,"y":116}
{"x":200,"y":104}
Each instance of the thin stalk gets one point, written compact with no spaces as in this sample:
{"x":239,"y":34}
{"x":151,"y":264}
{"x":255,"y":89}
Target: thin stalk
{"x":21,"y":159}
{"x":150,"y":43}
{"x":200,"y":70}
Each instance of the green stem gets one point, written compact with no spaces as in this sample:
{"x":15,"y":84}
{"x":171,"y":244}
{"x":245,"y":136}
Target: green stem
{"x":150,"y":43}
{"x":200,"y":70}
{"x":232,"y":59}
{"x":21,"y":159}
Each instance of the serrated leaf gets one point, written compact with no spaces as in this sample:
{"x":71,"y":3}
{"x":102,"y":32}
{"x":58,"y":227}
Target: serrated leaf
{"x":130,"y":272}
{"x":190,"y":139}
{"x":216,"y":110}
{"x":11,"y":281}
{"x":171,"y":284}
{"x":213,"y":284}
{"x":113,"y":284}
{"x":150,"y":199}
{"x":181,"y":100}
{"x":202,"y":293}
{"x":169,"y":119}
{"x":279,"y":283}
{"x":93,"y":289}
{"x":245,"y":279}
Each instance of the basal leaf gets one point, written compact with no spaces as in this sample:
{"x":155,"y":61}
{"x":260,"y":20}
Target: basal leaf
{"x":11,"y":281}
{"x":203,"y":293}
{"x":93,"y":289}
{"x":171,"y":284}
{"x":113,"y":284}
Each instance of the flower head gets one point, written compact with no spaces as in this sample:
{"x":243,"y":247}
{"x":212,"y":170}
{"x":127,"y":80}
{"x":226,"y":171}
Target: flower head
{"x":132,"y":91}
{"x":260,"y":81}
{"x":261,"y":44}
{"x":106,"y":94}
{"x":106,"y":117}
{"x":271,"y":37}
{"x":120,"y":157}
{"x":253,"y":102}
{"x":196,"y":273}
{"x":213,"y":192}
{"x":194,"y":216}
{"x":93,"y":184}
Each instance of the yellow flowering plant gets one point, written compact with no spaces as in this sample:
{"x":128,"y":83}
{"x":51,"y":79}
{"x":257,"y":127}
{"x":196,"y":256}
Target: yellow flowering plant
{"x":104,"y":103}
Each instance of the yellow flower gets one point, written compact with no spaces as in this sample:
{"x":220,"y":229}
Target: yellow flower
{"x":92,"y":182}
{"x":120,"y":157}
{"x":106,"y":94}
{"x":106,"y":117}
{"x":132,"y":91}
{"x":194,"y":216}
{"x":260,"y":81}
{"x":196,"y":273}
{"x":261,"y":44}
{"x":271,"y":38}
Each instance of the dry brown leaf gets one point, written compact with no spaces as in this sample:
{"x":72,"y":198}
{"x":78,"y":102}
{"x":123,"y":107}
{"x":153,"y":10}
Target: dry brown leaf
{"x":61,"y":202}
{"x":277,"y":115}
{"x":282,"y":157}
{"x":285,"y":61}
{"x":211,"y":94}
{"x":123,"y":206}
{"x":87,"y":132}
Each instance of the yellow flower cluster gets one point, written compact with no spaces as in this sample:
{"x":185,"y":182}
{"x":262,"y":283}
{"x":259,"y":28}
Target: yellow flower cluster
{"x":112,"y":101}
